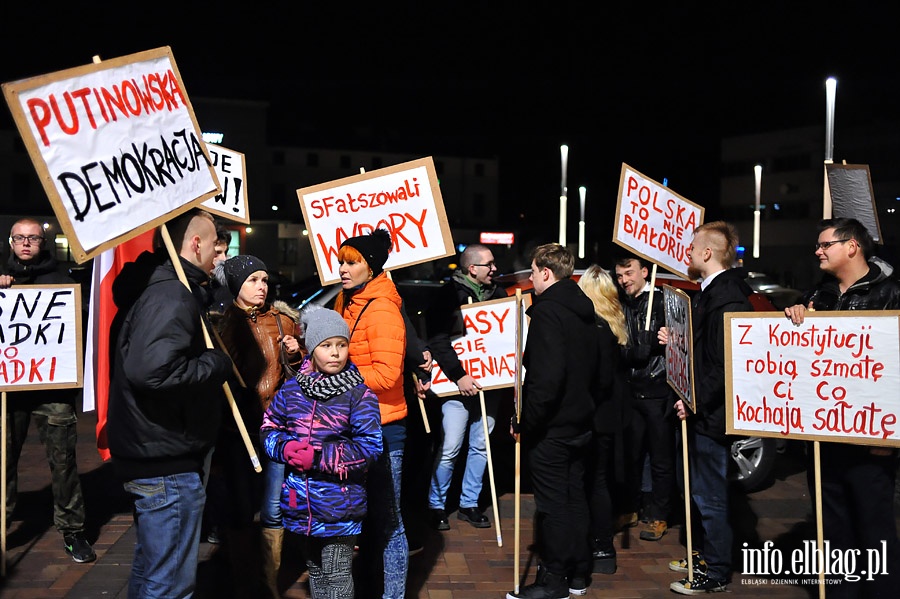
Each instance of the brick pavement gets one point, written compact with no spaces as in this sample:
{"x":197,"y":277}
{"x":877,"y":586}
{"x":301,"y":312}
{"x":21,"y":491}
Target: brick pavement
{"x":462,"y":563}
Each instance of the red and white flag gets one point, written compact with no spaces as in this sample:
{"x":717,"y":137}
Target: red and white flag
{"x":107,"y":266}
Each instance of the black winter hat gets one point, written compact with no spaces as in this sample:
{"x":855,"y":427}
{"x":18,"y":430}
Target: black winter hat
{"x":233,"y":272}
{"x":374,"y":247}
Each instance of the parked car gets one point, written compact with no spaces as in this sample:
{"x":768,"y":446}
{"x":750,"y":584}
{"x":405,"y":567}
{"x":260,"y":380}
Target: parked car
{"x":780,"y":296}
{"x":752,"y":458}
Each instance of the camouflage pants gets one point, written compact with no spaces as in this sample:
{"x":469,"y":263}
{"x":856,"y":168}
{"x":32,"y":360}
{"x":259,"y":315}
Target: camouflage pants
{"x":56,"y":424}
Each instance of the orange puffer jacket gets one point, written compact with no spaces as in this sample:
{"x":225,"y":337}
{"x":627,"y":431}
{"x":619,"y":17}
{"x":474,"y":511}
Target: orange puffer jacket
{"x":251,"y":339}
{"x":378,"y":343}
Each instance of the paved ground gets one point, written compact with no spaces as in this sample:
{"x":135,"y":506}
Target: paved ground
{"x":462,"y":563}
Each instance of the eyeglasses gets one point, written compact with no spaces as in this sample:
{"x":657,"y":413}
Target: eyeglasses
{"x":490,"y":265}
{"x":20,"y":239}
{"x":824,"y":245}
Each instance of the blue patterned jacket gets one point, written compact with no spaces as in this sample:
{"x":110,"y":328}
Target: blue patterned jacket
{"x":345,"y":430}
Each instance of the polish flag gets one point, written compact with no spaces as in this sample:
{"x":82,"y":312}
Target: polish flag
{"x":107,"y":266}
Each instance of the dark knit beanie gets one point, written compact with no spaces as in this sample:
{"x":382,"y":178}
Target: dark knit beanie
{"x":320,"y":323}
{"x":233,"y":272}
{"x":373,"y":247}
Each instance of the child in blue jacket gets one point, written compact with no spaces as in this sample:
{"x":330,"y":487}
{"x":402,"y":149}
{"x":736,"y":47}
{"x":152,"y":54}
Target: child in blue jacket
{"x":325,"y":425}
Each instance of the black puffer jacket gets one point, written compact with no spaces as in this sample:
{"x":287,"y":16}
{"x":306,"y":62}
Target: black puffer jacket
{"x":560,"y":361}
{"x":166,"y":393}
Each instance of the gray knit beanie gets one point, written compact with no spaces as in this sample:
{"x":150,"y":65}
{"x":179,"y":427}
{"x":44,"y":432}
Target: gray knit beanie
{"x":321,"y":323}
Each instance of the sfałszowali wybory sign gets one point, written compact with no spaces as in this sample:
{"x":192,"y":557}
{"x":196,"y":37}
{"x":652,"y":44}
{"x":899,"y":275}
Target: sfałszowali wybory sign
{"x":116,"y":146}
{"x":405,"y":199}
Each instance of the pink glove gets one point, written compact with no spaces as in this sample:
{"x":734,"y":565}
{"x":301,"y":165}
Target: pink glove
{"x":299,"y":455}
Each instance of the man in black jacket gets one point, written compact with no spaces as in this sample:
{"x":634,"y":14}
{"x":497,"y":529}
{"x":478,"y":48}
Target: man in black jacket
{"x":722,"y":290}
{"x":560,"y":362}
{"x":461,"y":415}
{"x":164,"y":411}
{"x":857,"y":480}
{"x":53,"y":410}
{"x":653,"y":426}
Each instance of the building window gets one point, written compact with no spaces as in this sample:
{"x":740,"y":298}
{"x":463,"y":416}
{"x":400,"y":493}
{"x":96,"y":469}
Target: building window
{"x":479,"y":169}
{"x":345,"y":161}
{"x":312,"y":159}
{"x":478,"y":205}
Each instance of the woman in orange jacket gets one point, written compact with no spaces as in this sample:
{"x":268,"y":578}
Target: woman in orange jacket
{"x":370,"y":305}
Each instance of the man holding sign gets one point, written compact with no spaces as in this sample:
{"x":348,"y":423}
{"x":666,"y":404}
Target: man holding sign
{"x":462,"y":413}
{"x":711,"y":254}
{"x":857,"y":481}
{"x":53,"y":410}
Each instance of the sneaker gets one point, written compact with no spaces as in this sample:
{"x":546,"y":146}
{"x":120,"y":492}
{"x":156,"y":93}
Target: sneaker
{"x":680,"y":565}
{"x":578,"y":585}
{"x":439,"y":520}
{"x":212,"y":537}
{"x":701,"y":585}
{"x":629,"y":520}
{"x":78,"y":547}
{"x":548,"y":586}
{"x":654,"y":530}
{"x":473,"y":516}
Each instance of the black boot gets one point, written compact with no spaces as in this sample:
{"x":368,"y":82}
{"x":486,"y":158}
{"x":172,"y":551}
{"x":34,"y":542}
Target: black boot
{"x":546,"y":586}
{"x":604,"y":557}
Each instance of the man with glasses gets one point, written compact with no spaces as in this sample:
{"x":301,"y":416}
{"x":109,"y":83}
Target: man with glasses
{"x":857,"y":480}
{"x":53,"y":411}
{"x":461,"y":413}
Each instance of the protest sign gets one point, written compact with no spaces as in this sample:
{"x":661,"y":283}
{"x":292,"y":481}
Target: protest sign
{"x":116,"y":147}
{"x":834,"y":378}
{"x":850,"y":187}
{"x":680,"y":344}
{"x":231,"y":170}
{"x":40,"y":337}
{"x":405,"y":199}
{"x":655,"y":222}
{"x":487,"y":349}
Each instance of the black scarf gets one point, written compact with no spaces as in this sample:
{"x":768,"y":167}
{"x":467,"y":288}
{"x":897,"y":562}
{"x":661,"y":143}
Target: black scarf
{"x":325,"y":387}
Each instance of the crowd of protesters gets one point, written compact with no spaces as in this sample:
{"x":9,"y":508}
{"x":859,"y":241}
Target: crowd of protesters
{"x":323,"y":397}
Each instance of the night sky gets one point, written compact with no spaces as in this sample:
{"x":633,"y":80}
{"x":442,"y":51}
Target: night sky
{"x":629,"y":82}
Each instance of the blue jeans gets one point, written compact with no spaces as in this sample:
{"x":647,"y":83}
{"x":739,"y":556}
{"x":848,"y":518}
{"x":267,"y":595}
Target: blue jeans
{"x":270,"y":506}
{"x":460,"y":416}
{"x":167,"y":515}
{"x":709,"y":490}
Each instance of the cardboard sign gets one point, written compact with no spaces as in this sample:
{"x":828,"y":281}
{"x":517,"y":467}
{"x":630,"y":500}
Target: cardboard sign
{"x":487,"y":350}
{"x":654,"y":222}
{"x":834,"y":378}
{"x":40,"y":337}
{"x":116,"y":146}
{"x":231,"y":170}
{"x":850,"y":186}
{"x":680,"y":345}
{"x":404,"y":199}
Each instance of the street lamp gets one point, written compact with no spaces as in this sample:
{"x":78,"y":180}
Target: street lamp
{"x":757,"y":171}
{"x":564,"y":154}
{"x":582,"y":191}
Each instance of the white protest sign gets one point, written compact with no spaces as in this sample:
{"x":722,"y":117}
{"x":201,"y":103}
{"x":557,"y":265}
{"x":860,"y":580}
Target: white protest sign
{"x":405,"y":199}
{"x":655,"y":222}
{"x":231,"y":169}
{"x":680,"y":344}
{"x":834,"y":378}
{"x":487,"y":350}
{"x":116,"y":146}
{"x":40,"y":337}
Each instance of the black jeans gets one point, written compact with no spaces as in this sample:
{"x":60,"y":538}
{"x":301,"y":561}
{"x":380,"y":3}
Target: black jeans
{"x":562,"y":515}
{"x":653,"y":426}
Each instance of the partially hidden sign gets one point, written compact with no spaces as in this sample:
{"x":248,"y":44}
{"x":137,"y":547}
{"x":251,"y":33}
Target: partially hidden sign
{"x":231,"y":170}
{"x":680,"y":344}
{"x":487,"y":350}
{"x":405,"y":199}
{"x":116,"y":146}
{"x":834,"y":378}
{"x":655,"y":222}
{"x":40,"y":337}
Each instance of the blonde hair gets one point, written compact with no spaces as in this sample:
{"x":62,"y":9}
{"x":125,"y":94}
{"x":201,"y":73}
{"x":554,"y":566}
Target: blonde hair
{"x":600,"y":288}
